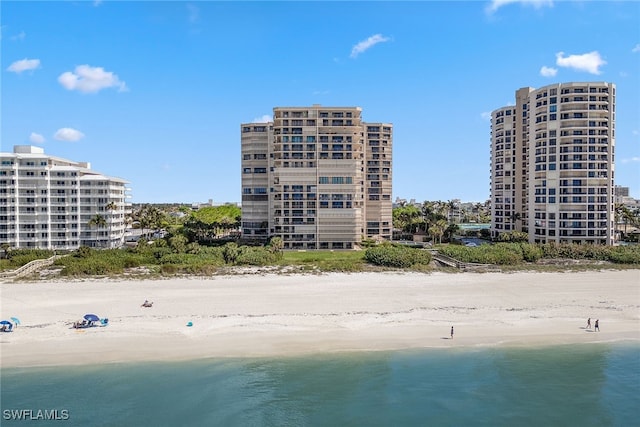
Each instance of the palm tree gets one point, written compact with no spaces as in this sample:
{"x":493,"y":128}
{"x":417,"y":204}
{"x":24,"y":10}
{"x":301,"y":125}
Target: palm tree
{"x":230,"y":252}
{"x":515,"y":217}
{"x":97,"y":221}
{"x":437,"y":229}
{"x":275,"y":246}
{"x":450,"y":231}
{"x":452,"y":209}
{"x":5,"y":247}
{"x":433,"y":212}
{"x":110,"y":207}
{"x":149,"y":217}
{"x":406,"y":218}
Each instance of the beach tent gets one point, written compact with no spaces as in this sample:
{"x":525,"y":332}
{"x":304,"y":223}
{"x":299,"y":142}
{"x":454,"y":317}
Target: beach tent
{"x":15,"y":320}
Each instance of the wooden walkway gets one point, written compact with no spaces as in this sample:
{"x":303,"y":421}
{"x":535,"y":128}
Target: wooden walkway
{"x":28,"y":268}
{"x":452,"y":262}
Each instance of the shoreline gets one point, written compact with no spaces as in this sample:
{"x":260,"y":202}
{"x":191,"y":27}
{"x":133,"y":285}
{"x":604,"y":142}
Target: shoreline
{"x":295,"y":315}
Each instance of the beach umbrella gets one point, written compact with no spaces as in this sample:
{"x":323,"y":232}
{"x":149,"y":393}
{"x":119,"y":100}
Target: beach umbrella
{"x":6,"y":322}
{"x":91,"y":318}
{"x":15,"y":320}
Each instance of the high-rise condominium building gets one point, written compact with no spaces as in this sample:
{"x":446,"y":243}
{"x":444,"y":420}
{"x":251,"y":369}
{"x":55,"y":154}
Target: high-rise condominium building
{"x":552,"y":170}
{"x":317,"y":177}
{"x":48,"y":202}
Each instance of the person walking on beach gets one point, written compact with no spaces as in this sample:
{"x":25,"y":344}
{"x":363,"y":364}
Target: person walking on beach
{"x":589,"y":323}
{"x":452,"y":332}
{"x":596,"y":326}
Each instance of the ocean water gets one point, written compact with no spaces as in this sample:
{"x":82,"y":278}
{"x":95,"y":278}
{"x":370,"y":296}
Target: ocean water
{"x":570,"y":385}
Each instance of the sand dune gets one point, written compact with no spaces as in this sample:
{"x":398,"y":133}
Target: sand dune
{"x":274,"y":315}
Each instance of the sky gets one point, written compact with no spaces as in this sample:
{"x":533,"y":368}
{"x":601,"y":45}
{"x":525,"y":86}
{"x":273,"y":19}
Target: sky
{"x":154,"y":92}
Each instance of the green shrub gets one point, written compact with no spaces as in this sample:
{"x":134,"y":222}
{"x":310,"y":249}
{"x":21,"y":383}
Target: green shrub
{"x":625,"y":254}
{"x":19,"y":257}
{"x":531,"y":252}
{"x":499,"y":254}
{"x":193,"y":248}
{"x":174,"y":258}
{"x":83,"y":252}
{"x":255,"y":256}
{"x":90,"y":267}
{"x":396,"y":256}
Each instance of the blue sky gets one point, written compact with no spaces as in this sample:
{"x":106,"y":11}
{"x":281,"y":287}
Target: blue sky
{"x":154,"y":91}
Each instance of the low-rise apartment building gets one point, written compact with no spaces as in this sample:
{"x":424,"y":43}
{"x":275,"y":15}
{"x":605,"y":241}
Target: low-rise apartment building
{"x":48,"y":202}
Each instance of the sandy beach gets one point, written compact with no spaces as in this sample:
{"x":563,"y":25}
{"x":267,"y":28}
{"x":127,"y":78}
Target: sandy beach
{"x":276,"y":315}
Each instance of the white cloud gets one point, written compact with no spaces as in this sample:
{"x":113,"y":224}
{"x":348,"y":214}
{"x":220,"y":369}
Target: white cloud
{"x":97,"y":3}
{"x":36,"y":138}
{"x":548,"y":71}
{"x":20,"y":36}
{"x":68,"y":134}
{"x":494,"y":5}
{"x":631,"y":159}
{"x":367,"y":44}
{"x":485,"y":115}
{"x":89,"y":79}
{"x":263,"y":119}
{"x":194,"y":12}
{"x":24,"y":65}
{"x":636,"y":48}
{"x":589,"y":62}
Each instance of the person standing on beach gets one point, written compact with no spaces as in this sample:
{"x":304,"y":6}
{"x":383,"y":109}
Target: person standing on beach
{"x":452,"y":332}
{"x":596,"y":326}
{"x":589,"y":323}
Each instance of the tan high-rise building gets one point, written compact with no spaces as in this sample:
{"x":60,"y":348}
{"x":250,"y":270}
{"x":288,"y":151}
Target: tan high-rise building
{"x":552,"y":169}
{"x":48,"y":202}
{"x":317,"y":177}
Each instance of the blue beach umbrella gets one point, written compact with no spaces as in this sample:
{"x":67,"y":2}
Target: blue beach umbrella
{"x":15,"y":320}
{"x":91,"y":318}
{"x":6,"y":322}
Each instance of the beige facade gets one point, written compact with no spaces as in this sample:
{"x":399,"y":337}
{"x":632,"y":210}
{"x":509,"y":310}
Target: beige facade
{"x":552,"y":169}
{"x":48,"y":202}
{"x":318,"y":177}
